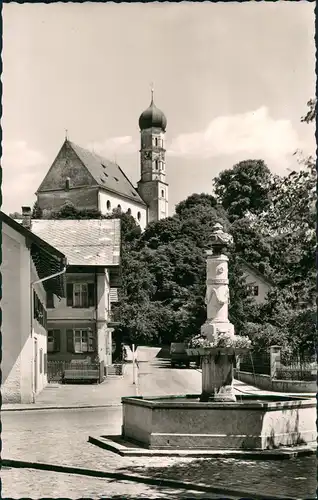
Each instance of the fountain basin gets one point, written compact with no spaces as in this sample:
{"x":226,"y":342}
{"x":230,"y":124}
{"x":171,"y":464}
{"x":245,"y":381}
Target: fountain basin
{"x":256,"y":422}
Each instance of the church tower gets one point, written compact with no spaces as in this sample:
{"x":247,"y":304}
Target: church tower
{"x":152,"y":186}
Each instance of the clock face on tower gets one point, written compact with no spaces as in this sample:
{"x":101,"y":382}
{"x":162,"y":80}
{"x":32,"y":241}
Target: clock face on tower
{"x":147,"y":155}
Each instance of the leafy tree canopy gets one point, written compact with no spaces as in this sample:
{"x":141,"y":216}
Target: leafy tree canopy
{"x":244,"y":189}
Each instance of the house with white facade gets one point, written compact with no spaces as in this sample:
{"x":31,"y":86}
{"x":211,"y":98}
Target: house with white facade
{"x":31,"y":268}
{"x":80,"y":324}
{"x":258,"y":284}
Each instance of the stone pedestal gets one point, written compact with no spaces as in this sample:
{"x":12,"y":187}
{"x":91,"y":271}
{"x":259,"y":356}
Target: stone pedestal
{"x":217,"y":377}
{"x":217,"y":368}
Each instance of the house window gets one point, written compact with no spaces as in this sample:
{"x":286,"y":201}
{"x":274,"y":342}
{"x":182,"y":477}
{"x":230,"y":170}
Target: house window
{"x":119,"y":208}
{"x":53,"y":340}
{"x":129,"y":211}
{"x":108,"y":204}
{"x":138,"y":215}
{"x":81,"y":295}
{"x":81,"y":341}
{"x":253,"y":290}
{"x":49,"y":300}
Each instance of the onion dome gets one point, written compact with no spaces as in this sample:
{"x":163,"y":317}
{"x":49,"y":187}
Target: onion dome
{"x":152,"y":118}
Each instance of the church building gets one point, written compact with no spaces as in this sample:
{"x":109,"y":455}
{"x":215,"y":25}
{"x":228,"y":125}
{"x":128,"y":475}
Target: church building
{"x":89,"y":181}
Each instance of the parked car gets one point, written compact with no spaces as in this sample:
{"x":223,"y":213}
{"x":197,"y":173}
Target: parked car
{"x":179,"y":356}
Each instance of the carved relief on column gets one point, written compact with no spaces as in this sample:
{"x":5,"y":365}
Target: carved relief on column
{"x":217,"y":290}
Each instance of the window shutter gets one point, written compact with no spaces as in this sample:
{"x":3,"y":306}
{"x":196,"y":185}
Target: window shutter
{"x":49,"y":300}
{"x":92,"y":340}
{"x":57,"y":340}
{"x":69,"y":294}
{"x":41,"y":361}
{"x":70,"y":340}
{"x":45,"y":363}
{"x":91,"y":294}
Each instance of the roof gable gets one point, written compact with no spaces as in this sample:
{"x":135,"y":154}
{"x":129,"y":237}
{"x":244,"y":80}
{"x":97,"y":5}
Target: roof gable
{"x":85,"y":242}
{"x":252,"y":270}
{"x":67,"y":164}
{"x":85,"y":168}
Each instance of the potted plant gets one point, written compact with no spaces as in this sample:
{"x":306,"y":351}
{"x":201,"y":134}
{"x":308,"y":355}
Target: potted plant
{"x":221,"y":343}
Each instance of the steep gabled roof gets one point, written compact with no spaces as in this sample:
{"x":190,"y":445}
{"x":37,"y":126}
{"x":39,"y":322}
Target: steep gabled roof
{"x":106,"y":174}
{"x":85,"y":242}
{"x":255,"y":271}
{"x":47,"y":259}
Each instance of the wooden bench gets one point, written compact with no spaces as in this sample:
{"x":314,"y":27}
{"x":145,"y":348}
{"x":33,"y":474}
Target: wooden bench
{"x":73,"y":374}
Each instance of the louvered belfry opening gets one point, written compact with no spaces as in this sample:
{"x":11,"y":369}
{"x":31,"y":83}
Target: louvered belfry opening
{"x":47,"y":264}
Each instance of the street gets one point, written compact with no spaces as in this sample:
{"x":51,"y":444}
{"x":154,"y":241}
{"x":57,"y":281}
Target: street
{"x":60,"y":437}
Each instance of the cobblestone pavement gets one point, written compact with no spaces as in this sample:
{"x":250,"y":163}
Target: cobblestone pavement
{"x":60,"y":437}
{"x":28,"y":483}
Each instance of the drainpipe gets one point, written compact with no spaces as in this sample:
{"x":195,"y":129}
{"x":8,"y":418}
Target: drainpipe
{"x":31,"y":290}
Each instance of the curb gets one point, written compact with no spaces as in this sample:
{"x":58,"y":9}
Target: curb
{"x":172,"y":483}
{"x":117,"y":444}
{"x":55,"y":407}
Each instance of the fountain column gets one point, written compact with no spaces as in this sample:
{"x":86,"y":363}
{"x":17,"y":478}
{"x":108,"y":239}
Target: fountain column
{"x":217,"y":365}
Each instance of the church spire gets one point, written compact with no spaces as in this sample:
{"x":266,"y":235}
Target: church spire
{"x":152,"y":186}
{"x":152,"y":91}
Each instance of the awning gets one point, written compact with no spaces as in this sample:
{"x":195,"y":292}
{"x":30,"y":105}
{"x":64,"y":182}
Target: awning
{"x":47,"y":264}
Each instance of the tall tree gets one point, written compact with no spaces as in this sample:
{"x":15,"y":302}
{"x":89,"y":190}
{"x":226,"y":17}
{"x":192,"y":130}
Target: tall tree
{"x":244,"y":189}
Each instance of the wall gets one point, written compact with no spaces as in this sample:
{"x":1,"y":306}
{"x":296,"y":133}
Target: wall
{"x":63,"y":326}
{"x":263,"y":287}
{"x":16,"y":319}
{"x":157,"y":204}
{"x":63,"y":317}
{"x":62,"y":312}
{"x":265,"y":382}
{"x":40,"y":334}
{"x":125,"y":204}
{"x":85,"y":197}
{"x":103,"y":306}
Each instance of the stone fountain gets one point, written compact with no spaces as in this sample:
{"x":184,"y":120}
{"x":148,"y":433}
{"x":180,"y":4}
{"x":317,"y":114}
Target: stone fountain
{"x":216,"y":419}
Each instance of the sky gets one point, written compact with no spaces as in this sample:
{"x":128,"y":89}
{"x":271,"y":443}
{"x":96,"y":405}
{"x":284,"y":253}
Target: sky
{"x":233,"y":80}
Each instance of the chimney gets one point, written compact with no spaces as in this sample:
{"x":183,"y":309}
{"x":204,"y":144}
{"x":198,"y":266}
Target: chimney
{"x":26,"y":217}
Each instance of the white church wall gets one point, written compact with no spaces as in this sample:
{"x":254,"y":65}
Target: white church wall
{"x":107,"y":202}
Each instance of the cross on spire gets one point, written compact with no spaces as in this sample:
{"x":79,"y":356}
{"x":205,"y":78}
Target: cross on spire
{"x":152,"y":91}
{"x":66,"y":134}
